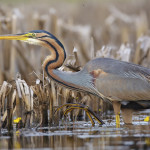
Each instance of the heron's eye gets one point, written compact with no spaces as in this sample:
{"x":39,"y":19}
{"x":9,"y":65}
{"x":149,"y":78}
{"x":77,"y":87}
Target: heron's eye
{"x":33,"y":34}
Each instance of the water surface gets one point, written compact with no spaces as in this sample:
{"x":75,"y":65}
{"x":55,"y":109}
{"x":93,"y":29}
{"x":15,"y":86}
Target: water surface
{"x":81,"y":136}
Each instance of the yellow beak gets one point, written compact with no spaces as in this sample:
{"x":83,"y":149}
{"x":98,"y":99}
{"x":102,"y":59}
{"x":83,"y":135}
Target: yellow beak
{"x":14,"y":37}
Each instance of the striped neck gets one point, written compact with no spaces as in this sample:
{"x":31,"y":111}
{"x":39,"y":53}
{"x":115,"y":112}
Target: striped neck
{"x":58,"y":54}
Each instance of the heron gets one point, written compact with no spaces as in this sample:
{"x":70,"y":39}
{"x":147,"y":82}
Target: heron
{"x":121,"y":83}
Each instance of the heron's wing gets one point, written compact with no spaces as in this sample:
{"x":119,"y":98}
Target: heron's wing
{"x":119,"y":80}
{"x":119,"y":68}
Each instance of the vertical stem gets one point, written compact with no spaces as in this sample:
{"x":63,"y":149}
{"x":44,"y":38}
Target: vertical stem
{"x":44,"y":115}
{"x":53,"y":100}
{"x":1,"y":58}
{"x":13,"y":50}
{"x":31,"y":106}
{"x":137,"y":54}
{"x":51,"y":110}
{"x":53,"y":26}
{"x":9,"y":111}
{"x":124,"y":34}
{"x":0,"y":113}
{"x":27,"y":100}
{"x":92,"y":50}
{"x":19,"y":104}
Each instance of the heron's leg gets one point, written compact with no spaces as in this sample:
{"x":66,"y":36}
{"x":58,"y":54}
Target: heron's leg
{"x":127,"y":115}
{"x":117,"y":107}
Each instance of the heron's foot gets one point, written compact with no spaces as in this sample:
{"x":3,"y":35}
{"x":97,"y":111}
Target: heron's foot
{"x":89,"y":112}
{"x":118,"y":121}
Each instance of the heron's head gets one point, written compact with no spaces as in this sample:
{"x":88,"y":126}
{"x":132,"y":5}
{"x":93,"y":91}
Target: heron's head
{"x":31,"y":37}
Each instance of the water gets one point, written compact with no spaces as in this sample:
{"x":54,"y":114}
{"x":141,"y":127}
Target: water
{"x":81,"y":136}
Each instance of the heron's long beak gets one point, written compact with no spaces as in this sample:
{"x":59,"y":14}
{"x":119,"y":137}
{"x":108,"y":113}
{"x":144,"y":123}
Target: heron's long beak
{"x":14,"y":37}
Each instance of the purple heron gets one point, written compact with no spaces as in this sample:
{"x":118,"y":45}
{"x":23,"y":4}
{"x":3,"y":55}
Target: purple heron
{"x":121,"y":83}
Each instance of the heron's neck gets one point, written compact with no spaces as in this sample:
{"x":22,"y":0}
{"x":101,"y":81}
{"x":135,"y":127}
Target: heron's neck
{"x":57,"y":56}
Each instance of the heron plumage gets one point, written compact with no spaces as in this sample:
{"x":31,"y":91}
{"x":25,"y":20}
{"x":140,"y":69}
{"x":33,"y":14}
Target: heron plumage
{"x":120,"y":80}
{"x":79,"y":81}
{"x":119,"y":68}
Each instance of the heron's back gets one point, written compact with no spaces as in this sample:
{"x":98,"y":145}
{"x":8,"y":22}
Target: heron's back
{"x":118,"y":80}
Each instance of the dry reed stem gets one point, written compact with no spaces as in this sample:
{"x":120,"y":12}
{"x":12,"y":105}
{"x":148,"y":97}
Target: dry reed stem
{"x":43,"y":100}
{"x":137,"y":54}
{"x":27,"y":100}
{"x":12,"y":48}
{"x":31,"y":106}
{"x":75,"y":52}
{"x":5,"y":89}
{"x":24,"y":96}
{"x":10,"y":100}
{"x":92,"y":49}
{"x":1,"y":57}
{"x":125,"y":35}
{"x":53,"y":102}
{"x":4,"y":118}
{"x":53,"y":23}
{"x":51,"y":109}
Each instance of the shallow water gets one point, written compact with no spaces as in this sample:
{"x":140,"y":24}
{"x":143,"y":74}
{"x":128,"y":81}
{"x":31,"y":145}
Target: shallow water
{"x":80,"y":135}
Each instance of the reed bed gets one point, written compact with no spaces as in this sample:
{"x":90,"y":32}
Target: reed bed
{"x":29,"y":98}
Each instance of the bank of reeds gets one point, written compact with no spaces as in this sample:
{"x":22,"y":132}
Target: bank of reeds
{"x":30,"y":99}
